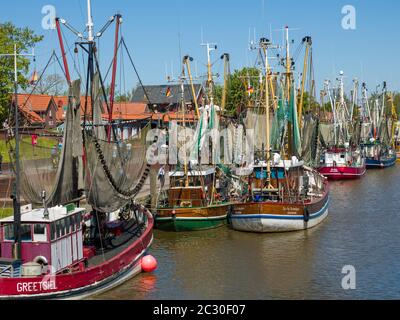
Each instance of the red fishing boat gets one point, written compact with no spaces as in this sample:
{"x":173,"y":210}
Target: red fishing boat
{"x":342,"y":163}
{"x":55,"y":262}
{"x":61,"y":250}
{"x":342,"y":157}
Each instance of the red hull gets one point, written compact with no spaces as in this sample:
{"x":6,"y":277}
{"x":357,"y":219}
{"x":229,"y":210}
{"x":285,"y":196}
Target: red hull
{"x":342,"y":173}
{"x":84,"y":283}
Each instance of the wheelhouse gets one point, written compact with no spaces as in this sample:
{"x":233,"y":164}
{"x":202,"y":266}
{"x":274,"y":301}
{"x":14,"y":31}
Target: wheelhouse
{"x":53,"y":238}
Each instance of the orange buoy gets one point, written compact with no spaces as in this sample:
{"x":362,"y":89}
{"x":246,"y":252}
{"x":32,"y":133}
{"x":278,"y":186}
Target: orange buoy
{"x":149,"y":263}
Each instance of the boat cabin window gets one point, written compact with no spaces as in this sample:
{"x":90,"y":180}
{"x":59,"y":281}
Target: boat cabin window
{"x":53,"y":231}
{"x":9,"y":232}
{"x":39,"y":233}
{"x":72,"y":223}
{"x":63,"y":227}
{"x":26,"y":232}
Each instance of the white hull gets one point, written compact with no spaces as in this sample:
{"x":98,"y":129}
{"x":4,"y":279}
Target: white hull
{"x":272,"y":223}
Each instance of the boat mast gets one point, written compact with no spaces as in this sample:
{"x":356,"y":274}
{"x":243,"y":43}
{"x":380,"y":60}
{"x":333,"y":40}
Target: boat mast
{"x":186,"y":60}
{"x":17,"y":186}
{"x":181,"y":80}
{"x":288,"y":80}
{"x":308,"y":42}
{"x":210,"y":81}
{"x":265,"y":44}
{"x":225,"y":57}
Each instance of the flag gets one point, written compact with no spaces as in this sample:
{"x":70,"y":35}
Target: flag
{"x":168,"y":92}
{"x":34,"y":139}
{"x":34,"y":78}
{"x":250,"y":89}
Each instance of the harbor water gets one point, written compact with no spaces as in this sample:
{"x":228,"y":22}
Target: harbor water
{"x":362,"y":230}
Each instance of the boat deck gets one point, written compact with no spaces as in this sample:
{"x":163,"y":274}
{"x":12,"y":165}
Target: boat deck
{"x":131,"y":233}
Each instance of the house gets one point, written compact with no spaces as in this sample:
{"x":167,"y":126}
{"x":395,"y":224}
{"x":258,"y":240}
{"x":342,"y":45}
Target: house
{"x":167,"y":98}
{"x":38,"y":109}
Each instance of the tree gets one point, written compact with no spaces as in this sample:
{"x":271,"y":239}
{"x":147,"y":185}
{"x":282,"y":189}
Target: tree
{"x":53,"y":84}
{"x":237,"y":96}
{"x":25,"y":39}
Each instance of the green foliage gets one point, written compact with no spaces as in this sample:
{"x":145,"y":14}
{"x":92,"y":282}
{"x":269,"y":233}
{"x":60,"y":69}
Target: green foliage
{"x":310,"y":103}
{"x":25,"y":39}
{"x":237,"y":96}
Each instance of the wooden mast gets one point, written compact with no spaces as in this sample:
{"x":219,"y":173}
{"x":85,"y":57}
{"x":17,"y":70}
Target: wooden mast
{"x":288,"y":79}
{"x":186,"y":60}
{"x":225,"y":56}
{"x":265,"y":43}
{"x":307,"y":40}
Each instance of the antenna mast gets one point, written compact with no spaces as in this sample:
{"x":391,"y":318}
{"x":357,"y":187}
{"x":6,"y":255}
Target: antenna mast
{"x":17,"y":195}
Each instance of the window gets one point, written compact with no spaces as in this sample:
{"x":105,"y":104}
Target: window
{"x":8,"y":232}
{"x":79,"y":220}
{"x":58,"y":228}
{"x":53,"y":231}
{"x":63,"y":227}
{"x":67,"y":225}
{"x":72,"y":223}
{"x":39,"y":233}
{"x":26,"y":232}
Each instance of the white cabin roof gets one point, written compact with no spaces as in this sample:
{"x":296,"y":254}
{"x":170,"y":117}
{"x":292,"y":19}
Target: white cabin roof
{"x":192,"y":173}
{"x":287,"y":164}
{"x":36,"y":215}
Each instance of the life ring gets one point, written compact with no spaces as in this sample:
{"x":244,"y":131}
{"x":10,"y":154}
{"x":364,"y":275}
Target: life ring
{"x":41,"y":260}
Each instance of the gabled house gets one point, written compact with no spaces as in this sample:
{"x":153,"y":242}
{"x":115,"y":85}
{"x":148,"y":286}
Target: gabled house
{"x":37,"y":109}
{"x":167,"y":98}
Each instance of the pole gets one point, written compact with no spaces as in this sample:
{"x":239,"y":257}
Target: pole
{"x":268,"y":146}
{"x":90,"y":22}
{"x":60,"y":39}
{"x":303,"y":81}
{"x":16,"y":194}
{"x":17,"y":200}
{"x":186,"y":61}
{"x":114,"y":73}
{"x":226,"y":61}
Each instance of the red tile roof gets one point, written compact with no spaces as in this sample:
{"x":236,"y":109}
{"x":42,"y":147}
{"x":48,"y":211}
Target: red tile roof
{"x":31,"y":116}
{"x":34,"y":102}
{"x":128,"y":111}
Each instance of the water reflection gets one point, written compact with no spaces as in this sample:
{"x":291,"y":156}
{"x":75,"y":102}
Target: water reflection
{"x":361,"y":230}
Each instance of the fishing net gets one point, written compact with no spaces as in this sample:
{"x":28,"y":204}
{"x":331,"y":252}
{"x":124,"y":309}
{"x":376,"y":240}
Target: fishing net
{"x":256,"y":120}
{"x":115,"y":170}
{"x":49,"y":161}
{"x":309,"y":139}
{"x":327,"y":134}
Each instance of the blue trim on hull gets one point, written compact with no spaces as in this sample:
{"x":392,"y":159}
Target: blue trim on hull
{"x":372,"y":163}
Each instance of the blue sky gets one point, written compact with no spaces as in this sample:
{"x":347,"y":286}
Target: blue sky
{"x":151,"y":29}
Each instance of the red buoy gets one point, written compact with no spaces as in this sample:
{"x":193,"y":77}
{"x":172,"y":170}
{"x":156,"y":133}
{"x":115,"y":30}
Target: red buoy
{"x":149,"y":263}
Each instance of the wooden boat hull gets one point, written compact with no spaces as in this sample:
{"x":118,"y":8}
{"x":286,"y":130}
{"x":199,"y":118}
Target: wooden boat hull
{"x":381,"y":163}
{"x":82,"y":284}
{"x":278,"y":217}
{"x":192,"y":219}
{"x":343,"y":173}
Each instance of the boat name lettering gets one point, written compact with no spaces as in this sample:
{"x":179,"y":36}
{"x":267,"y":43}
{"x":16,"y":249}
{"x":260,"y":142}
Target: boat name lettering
{"x":36,"y":286}
{"x":291,"y":209}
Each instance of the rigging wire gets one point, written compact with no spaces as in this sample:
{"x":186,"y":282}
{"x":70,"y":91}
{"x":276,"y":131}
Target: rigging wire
{"x":137,"y":74}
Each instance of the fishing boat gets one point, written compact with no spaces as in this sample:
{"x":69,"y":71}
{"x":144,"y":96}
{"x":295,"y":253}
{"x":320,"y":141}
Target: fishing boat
{"x":283,"y":193}
{"x":54,"y":248}
{"x":397,"y":140}
{"x":380,"y":120}
{"x":342,"y":157}
{"x":196,"y":198}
